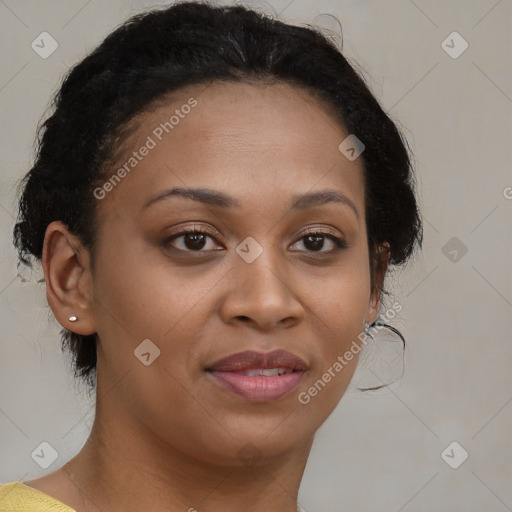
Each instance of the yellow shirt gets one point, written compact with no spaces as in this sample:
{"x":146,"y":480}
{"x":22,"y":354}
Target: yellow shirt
{"x":18,"y":497}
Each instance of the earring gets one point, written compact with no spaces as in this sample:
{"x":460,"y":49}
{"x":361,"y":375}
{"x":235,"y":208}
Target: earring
{"x":381,"y":358}
{"x":73,"y":318}
{"x":376,"y":328}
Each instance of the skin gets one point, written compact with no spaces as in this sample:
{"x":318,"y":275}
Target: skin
{"x":167,"y":428}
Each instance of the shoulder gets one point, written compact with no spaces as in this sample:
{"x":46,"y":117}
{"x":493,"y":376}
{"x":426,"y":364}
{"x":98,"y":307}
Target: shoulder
{"x":18,"y":497}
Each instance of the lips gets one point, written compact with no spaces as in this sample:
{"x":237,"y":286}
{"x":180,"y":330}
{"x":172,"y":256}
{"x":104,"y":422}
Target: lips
{"x":259,"y":377}
{"x":254,"y":360}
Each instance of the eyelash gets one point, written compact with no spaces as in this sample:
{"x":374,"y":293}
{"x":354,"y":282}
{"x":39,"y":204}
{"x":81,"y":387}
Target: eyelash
{"x":338,"y":242}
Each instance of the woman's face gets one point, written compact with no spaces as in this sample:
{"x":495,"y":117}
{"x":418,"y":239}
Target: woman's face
{"x":252,"y":280}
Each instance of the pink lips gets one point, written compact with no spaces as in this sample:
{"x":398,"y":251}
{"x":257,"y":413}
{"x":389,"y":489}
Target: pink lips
{"x":242,"y":374}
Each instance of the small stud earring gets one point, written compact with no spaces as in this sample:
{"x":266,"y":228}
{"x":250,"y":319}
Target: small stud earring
{"x":73,"y":318}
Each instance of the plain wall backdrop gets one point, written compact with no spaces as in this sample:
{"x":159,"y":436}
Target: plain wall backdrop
{"x":378,"y":451}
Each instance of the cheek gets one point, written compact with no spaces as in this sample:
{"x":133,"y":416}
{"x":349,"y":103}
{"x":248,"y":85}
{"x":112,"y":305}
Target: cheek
{"x":338,"y":318}
{"x":344,"y":325}
{"x":136,"y":299}
{"x":126,"y":302}
{"x":343,"y":299}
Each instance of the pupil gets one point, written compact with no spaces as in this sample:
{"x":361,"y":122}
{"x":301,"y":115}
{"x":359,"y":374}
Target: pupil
{"x":318,"y":241}
{"x":197,"y":241}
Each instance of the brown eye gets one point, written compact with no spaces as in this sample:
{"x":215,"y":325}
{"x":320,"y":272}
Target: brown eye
{"x":192,"y":240}
{"x":315,"y":241}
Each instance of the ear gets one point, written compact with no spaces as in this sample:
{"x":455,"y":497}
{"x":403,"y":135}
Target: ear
{"x":379,"y":267}
{"x":66,"y":266}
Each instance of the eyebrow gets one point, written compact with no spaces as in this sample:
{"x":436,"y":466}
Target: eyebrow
{"x":221,"y":200}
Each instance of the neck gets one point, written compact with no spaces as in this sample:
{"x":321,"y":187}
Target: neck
{"x":119,"y":460}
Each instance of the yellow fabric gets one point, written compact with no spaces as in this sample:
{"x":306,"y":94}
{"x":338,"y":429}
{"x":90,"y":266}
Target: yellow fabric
{"x":18,"y":497}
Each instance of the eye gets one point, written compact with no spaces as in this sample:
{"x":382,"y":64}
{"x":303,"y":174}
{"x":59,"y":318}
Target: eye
{"x":315,"y":240}
{"x":193,"y":240}
{"x":196,"y":240}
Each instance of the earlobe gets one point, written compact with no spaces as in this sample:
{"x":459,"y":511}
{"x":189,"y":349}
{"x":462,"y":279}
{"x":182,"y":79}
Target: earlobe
{"x":380,"y":269}
{"x":373,"y":310}
{"x":68,"y":280}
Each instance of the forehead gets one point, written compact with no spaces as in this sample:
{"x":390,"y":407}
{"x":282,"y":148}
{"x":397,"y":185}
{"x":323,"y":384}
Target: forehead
{"x":258,"y":141}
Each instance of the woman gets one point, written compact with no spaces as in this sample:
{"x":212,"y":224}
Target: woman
{"x":216,"y":201}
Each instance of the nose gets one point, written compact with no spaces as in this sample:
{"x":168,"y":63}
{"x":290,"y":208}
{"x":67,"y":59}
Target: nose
{"x":262,"y":294}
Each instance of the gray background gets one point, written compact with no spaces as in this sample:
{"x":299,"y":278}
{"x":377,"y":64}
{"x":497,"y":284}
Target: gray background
{"x":378,"y":451}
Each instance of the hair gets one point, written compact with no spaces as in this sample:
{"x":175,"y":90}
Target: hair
{"x":163,"y":50}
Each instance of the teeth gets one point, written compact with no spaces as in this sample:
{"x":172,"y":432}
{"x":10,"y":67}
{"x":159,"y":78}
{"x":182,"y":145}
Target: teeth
{"x":270,"y":372}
